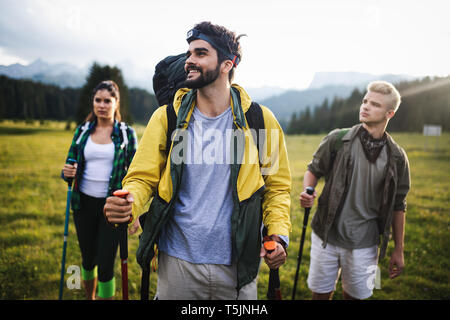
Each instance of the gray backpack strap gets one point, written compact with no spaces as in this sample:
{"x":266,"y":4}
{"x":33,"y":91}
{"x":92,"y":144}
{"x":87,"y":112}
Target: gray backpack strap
{"x":123,"y":128}
{"x":83,"y":131}
{"x":124,"y":146}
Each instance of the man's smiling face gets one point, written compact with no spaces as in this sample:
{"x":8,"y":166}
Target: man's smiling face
{"x":202,"y":67}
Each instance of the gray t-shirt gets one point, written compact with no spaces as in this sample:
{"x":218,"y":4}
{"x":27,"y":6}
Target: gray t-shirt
{"x":199,"y":230}
{"x":356,"y":225}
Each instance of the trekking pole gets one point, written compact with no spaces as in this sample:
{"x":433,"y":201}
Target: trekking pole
{"x":66,"y":231}
{"x":145,"y":282}
{"x":123,"y":249}
{"x":310,"y":191}
{"x":273,"y":291}
{"x":146,"y":269}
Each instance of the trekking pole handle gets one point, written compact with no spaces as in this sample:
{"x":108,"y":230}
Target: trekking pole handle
{"x":122,"y":194}
{"x":270,"y":246}
{"x":310,"y":191}
{"x":71,"y":162}
{"x":123,"y":242}
{"x":124,"y":227}
{"x":273,"y":292}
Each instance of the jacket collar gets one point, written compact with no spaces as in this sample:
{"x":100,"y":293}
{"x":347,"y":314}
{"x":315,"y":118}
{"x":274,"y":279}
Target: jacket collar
{"x":116,"y":127}
{"x":394,"y":148}
{"x":184,"y":102}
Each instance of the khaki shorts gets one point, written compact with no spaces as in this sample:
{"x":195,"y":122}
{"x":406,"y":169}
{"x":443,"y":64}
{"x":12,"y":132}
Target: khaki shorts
{"x":182,"y":280}
{"x":356,"y":266}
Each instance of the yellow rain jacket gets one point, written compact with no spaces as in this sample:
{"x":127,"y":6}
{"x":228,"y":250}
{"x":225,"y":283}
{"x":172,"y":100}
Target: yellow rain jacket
{"x":261,"y":186}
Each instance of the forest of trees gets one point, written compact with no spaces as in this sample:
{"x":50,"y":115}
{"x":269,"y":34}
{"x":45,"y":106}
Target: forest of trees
{"x":22,"y":99}
{"x":28,"y":100}
{"x":425,"y":101}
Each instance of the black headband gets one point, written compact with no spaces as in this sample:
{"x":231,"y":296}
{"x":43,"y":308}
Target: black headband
{"x":194,"y":34}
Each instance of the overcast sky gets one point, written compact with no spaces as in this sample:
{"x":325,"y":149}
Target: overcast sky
{"x":288,"y":41}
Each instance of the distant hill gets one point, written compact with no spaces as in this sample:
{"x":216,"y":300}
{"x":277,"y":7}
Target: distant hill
{"x":325,"y":85}
{"x":293,"y":101}
{"x":65,"y":75}
{"x":264,"y":92}
{"x":282,"y":102}
{"x":424,"y":101}
{"x":353,"y":79}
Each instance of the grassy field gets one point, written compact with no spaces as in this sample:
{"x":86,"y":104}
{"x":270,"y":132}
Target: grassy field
{"x":32,"y":207}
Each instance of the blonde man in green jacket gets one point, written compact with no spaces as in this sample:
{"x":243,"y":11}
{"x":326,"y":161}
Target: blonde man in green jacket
{"x":210,"y":192}
{"x":366,"y":182}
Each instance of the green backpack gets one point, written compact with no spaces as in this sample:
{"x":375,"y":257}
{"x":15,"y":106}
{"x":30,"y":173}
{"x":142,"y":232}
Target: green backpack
{"x":337,"y":145}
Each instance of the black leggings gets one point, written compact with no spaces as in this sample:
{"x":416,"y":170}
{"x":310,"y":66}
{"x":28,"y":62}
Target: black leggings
{"x":97,"y":239}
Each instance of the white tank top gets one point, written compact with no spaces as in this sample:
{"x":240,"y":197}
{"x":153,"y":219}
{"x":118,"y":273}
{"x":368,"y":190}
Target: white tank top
{"x":98,"y":166}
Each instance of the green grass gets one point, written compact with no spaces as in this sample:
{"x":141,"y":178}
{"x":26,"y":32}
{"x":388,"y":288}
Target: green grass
{"x":33,"y":198}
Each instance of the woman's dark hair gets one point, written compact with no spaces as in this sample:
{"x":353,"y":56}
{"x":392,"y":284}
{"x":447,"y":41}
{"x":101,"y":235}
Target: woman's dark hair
{"x":113,"y":89}
{"x":224,"y":38}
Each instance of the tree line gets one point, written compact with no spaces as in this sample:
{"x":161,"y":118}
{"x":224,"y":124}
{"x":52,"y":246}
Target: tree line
{"x":424,"y":101}
{"x":22,"y":99}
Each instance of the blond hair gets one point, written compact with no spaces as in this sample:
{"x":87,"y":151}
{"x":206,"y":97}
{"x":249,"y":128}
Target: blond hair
{"x":387,"y":89}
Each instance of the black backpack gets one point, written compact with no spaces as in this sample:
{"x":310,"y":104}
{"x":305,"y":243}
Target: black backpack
{"x":168,"y":78}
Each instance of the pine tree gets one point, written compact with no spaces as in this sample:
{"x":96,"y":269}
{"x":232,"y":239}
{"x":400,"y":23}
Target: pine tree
{"x":292,"y":128}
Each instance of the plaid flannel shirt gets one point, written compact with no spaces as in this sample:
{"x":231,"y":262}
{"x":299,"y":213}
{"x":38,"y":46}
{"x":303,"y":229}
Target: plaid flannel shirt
{"x":122,"y":157}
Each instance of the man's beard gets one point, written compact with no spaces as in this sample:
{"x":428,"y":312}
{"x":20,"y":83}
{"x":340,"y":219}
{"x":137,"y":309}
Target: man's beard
{"x":204,"y":79}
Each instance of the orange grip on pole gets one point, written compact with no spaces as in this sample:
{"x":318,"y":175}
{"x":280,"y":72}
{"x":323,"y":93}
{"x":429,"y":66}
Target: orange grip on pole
{"x":121,"y":193}
{"x":270,"y":245}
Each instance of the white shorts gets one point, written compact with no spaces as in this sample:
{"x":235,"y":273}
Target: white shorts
{"x":357,"y":266}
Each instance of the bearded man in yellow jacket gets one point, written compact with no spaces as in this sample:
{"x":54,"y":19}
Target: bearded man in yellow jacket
{"x":214,"y":189}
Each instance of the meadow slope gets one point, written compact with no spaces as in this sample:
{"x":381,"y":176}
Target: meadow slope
{"x":33,"y":197}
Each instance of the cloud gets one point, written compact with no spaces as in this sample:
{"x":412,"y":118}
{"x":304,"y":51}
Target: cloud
{"x":287,"y":40}
{"x":33,"y":29}
{"x":59,"y":31}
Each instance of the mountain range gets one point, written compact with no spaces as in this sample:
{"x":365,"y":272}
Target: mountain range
{"x":61,"y":74}
{"x":350,"y":78}
{"x":325,"y":85}
{"x":282,"y":102}
{"x":66,"y":75}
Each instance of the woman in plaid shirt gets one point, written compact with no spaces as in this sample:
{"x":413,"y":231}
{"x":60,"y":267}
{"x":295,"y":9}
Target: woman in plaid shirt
{"x":103,"y":148}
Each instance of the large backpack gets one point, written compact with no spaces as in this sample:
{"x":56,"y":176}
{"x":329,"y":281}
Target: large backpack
{"x":168,"y":78}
